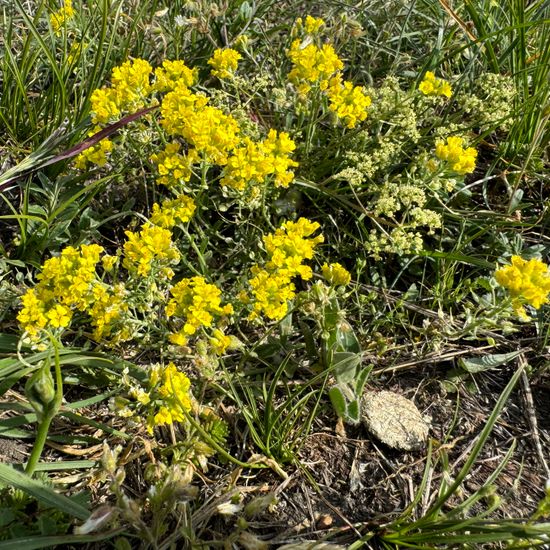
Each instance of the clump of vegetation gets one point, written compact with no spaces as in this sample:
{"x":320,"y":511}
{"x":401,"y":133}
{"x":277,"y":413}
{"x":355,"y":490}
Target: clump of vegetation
{"x":226,"y":226}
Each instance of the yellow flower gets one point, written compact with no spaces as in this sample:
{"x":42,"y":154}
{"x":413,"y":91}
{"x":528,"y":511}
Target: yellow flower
{"x":462,"y":161}
{"x":59,"y":316}
{"x":210,"y":131}
{"x":173,"y":74}
{"x":59,"y":18}
{"x":175,"y":397}
{"x":140,"y":395}
{"x":197,"y":303}
{"x":347,"y":101}
{"x":224,"y":62}
{"x":219,"y":341}
{"x":313,"y":24}
{"x":253,"y":162}
{"x":32,"y":316}
{"x":272,"y":286}
{"x":173,"y":211}
{"x":96,"y":154}
{"x":147,"y":247}
{"x":431,"y":85}
{"x":105,"y":105}
{"x":527,"y":281}
{"x":131,"y":82}
{"x":173,"y":167}
{"x":66,"y":283}
{"x":109,"y":262}
{"x":177,"y":338}
{"x":335,"y":274}
{"x":311,"y":64}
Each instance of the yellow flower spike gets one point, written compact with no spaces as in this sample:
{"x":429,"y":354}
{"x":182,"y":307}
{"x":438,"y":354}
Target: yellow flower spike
{"x":198,"y":303}
{"x":311,"y":64}
{"x":60,"y":18}
{"x":59,"y":316}
{"x":254,"y":162}
{"x":336,"y":274}
{"x":527,"y":281}
{"x":174,"y":74}
{"x":460,"y":160}
{"x":219,"y":342}
{"x":431,"y":85}
{"x":272,"y":286}
{"x":349,"y":102}
{"x":105,"y":105}
{"x":152,"y":244}
{"x":131,"y":82}
{"x":224,"y":62}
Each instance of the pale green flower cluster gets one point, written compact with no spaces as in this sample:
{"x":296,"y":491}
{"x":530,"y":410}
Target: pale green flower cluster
{"x":376,"y":148}
{"x":490,"y":102}
{"x":401,"y":203}
{"x":397,"y":241}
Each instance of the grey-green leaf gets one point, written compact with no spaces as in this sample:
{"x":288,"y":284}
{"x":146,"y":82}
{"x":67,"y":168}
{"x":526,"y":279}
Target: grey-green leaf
{"x":487,"y":362}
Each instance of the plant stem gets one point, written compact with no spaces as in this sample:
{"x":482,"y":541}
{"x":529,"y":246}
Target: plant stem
{"x":51,"y":411}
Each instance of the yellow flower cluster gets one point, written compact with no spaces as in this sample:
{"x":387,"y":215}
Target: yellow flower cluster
{"x":104,"y":105}
{"x":321,"y":66}
{"x":197,"y":303}
{"x":59,"y":18}
{"x":313,"y":65}
{"x":173,"y":167}
{"x":131,"y":81}
{"x":69,"y":282}
{"x":208,"y":129}
{"x":224,"y":62}
{"x":94,"y":155}
{"x":431,"y":85}
{"x":527,"y":281}
{"x":287,"y":249}
{"x":211,"y":136}
{"x":253,"y":162}
{"x":106,"y":309}
{"x":336,"y":274}
{"x":173,"y":396}
{"x":220,"y":341}
{"x":130,"y":87}
{"x":173,"y":74}
{"x":349,"y":102}
{"x":172,"y":211}
{"x":150,"y":248}
{"x":460,"y":160}
{"x":311,"y":25}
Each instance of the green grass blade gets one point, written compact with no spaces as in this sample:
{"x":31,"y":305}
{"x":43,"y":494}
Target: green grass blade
{"x":42,"y":492}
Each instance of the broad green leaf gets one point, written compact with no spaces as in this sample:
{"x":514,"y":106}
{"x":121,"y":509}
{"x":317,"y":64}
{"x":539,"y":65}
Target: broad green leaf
{"x":354,"y":412}
{"x":338,"y":401}
{"x":487,"y":362}
{"x":344,"y":364}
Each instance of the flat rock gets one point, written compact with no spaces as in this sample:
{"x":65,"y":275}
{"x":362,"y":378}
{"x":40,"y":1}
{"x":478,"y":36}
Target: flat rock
{"x":394,"y":420}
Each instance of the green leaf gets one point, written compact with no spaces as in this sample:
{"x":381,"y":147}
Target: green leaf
{"x":345,"y":365}
{"x":354,"y":411}
{"x":487,"y":362}
{"x":345,"y":338}
{"x":361,"y":379}
{"x":8,"y":343}
{"x":338,"y":402}
{"x":34,"y":542}
{"x":42,"y":493}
